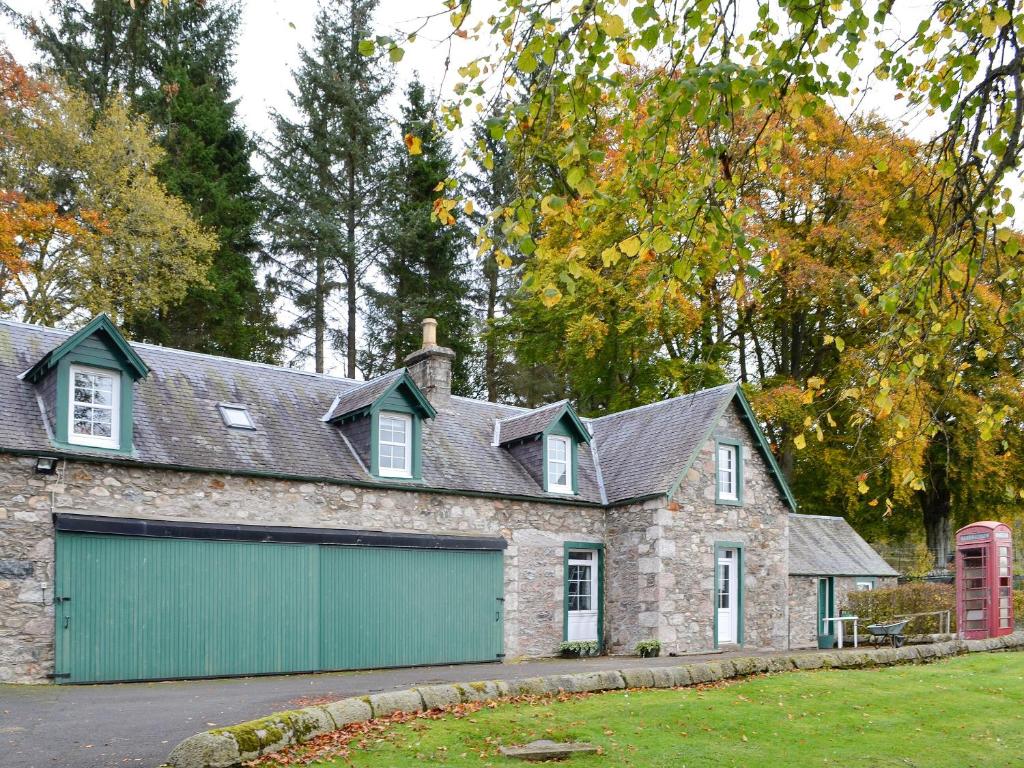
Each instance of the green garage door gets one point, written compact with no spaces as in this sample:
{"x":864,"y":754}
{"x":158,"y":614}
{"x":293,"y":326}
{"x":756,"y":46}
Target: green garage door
{"x":165,"y":605}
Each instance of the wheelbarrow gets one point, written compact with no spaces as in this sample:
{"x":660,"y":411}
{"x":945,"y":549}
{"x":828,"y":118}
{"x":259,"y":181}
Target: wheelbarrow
{"x":893,"y":632}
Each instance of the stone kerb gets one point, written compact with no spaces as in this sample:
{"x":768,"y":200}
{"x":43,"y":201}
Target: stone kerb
{"x":229,"y":747}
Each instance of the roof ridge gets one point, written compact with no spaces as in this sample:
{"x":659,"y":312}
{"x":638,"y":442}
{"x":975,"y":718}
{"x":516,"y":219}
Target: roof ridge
{"x":634,"y":409}
{"x":190,"y":353}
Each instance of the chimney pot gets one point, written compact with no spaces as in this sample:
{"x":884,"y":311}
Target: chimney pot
{"x":429,"y":333}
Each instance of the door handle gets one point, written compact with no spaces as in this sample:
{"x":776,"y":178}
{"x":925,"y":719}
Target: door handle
{"x":67,"y":621}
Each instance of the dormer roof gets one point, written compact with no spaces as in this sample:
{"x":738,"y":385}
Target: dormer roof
{"x":100,"y":326}
{"x":364,"y":398}
{"x":540,"y":421}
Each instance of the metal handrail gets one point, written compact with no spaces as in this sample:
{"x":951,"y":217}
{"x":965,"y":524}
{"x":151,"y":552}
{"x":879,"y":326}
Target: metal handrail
{"x":945,"y":619}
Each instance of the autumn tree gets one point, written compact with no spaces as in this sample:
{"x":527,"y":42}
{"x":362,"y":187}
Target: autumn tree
{"x":94,"y":230}
{"x":172,"y":63}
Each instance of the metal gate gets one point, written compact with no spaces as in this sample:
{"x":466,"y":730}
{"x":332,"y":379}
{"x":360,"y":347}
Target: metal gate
{"x":131,"y":607}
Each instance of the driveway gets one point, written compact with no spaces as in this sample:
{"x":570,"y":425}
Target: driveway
{"x":137,"y":724}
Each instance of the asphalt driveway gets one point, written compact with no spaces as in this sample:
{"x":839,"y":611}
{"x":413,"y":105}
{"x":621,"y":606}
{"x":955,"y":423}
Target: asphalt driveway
{"x":137,"y":724}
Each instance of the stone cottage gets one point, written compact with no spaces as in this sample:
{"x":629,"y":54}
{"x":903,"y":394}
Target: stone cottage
{"x":167,"y":514}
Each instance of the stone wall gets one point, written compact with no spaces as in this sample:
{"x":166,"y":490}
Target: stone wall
{"x":670,"y":591}
{"x":535,"y":532}
{"x":803,"y":605}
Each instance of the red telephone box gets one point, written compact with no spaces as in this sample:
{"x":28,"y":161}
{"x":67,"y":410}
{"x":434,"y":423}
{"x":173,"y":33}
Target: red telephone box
{"x":984,"y":580}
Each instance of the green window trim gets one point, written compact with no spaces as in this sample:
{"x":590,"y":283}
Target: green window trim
{"x":582,"y":545}
{"x":573,"y":463}
{"x":741,"y":565}
{"x":738,"y":446}
{"x":416,"y":452}
{"x":62,"y":410}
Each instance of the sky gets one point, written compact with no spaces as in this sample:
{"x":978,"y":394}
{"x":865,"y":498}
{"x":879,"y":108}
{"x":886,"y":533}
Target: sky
{"x":272,"y":32}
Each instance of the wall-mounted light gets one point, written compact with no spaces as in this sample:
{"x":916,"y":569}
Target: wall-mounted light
{"x":46,"y":465}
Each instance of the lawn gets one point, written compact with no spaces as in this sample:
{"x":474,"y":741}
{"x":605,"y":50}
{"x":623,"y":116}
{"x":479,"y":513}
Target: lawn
{"x":962,"y":712}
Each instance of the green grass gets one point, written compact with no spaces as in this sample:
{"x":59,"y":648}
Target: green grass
{"x":962,"y":712}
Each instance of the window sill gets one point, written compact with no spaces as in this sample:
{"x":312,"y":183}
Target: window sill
{"x":730,"y":502}
{"x":98,"y":449}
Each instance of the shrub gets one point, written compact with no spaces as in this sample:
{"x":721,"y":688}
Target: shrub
{"x":574,"y":648}
{"x":882,"y":606}
{"x":1018,"y":607}
{"x":648,"y":649}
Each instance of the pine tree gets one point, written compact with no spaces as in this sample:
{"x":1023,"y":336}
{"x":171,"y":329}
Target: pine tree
{"x":324,"y":175}
{"x":173,"y":63}
{"x":423,"y":264}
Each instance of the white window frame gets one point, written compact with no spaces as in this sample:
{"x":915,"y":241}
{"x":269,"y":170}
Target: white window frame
{"x":390,"y":471}
{"x":114,"y":441}
{"x":864,"y":585}
{"x":554,"y":487}
{"x":733,"y":452}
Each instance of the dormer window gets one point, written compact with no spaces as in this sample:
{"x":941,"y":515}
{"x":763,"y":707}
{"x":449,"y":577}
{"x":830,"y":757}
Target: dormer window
{"x":86,"y":386}
{"x":94,"y":412}
{"x":394,"y":445}
{"x":729,"y":473}
{"x":559,"y":454}
{"x":236,"y":416}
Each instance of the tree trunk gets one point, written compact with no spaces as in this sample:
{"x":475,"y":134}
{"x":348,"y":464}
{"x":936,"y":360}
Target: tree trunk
{"x":351,"y":266}
{"x":490,"y":352}
{"x":937,"y":501}
{"x":319,"y":316}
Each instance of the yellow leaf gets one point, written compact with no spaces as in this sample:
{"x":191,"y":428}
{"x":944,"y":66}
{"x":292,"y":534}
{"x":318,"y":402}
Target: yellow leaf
{"x":840,"y":344}
{"x":800,"y":442}
{"x":468,"y":207}
{"x":981,"y":353}
{"x":439,"y":187}
{"x":630,"y":246}
{"x":414,"y":144}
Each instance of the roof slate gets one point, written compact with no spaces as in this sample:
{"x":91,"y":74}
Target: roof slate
{"x":177,"y":425}
{"x":530,"y":423}
{"x":362,"y":395}
{"x":828,"y":546}
{"x":671,"y":432}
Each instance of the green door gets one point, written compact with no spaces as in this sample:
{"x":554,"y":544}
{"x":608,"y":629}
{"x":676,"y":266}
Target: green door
{"x":391,"y":607}
{"x":136,"y":608}
{"x":143,"y":608}
{"x":826,"y":609}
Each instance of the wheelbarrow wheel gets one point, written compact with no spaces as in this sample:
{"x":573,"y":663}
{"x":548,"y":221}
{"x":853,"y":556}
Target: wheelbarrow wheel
{"x":898,"y":641}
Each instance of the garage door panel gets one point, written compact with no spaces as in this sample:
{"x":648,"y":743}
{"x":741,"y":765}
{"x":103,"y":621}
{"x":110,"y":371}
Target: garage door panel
{"x":145,"y":608}
{"x":141,"y":608}
{"x":403,"y":607}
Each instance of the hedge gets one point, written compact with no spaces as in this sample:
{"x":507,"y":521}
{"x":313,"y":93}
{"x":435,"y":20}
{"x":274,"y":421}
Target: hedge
{"x":881,"y":606}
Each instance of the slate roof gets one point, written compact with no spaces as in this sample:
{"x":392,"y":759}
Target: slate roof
{"x":670,"y":433}
{"x":177,"y":425}
{"x":828,"y":546}
{"x":362,"y":395}
{"x":530,"y":423}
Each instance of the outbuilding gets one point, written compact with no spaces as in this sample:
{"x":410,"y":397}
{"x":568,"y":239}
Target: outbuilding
{"x":827,"y":560}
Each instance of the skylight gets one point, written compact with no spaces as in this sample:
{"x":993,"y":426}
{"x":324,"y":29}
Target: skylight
{"x":236,"y":416}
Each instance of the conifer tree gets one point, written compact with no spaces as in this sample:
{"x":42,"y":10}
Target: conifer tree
{"x":324,"y":176}
{"x":423,"y":264}
{"x":172,"y":62}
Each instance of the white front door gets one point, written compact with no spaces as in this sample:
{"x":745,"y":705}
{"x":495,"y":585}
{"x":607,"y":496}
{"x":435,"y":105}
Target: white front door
{"x":728,"y":609}
{"x":581,"y":589}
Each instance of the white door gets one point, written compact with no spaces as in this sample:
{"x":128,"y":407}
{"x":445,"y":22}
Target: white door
{"x":728,"y":610}
{"x":581,"y":589}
